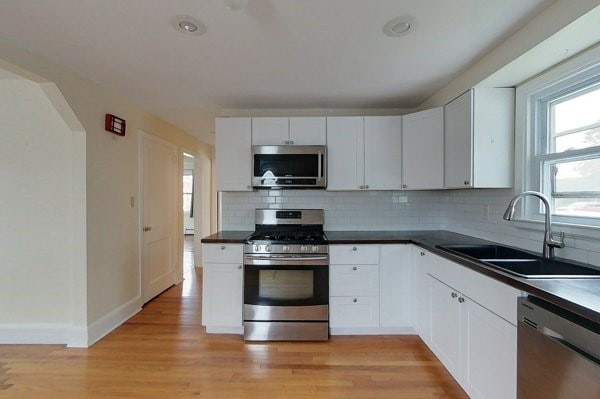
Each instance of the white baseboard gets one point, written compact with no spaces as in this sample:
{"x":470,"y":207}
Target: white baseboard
{"x":224,"y":330}
{"x":34,"y":334}
{"x":98,"y":329}
{"x":372,"y":331}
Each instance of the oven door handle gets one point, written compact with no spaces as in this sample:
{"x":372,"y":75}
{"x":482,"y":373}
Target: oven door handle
{"x":261,"y":260}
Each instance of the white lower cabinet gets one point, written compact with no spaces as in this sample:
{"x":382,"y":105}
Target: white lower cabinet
{"x":370,"y":289}
{"x":222,"y":288}
{"x":475,"y":344}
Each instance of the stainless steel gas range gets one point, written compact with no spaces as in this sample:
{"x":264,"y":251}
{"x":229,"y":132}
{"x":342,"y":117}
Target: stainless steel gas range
{"x":286,"y":277}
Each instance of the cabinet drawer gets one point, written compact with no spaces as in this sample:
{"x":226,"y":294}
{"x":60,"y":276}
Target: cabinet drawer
{"x":358,"y":311}
{"x":347,"y":280}
{"x":354,"y":254}
{"x":222,"y":253}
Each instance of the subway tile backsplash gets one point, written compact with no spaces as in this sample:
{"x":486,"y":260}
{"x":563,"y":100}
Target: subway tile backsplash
{"x":344,"y":210}
{"x":473,"y":212}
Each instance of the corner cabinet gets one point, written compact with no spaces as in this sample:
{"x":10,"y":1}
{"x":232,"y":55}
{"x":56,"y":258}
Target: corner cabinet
{"x":222,"y":288}
{"x":233,"y":154}
{"x":478,"y":142}
{"x":469,"y":322}
{"x":364,"y":153}
{"x":423,"y":150}
{"x":370,"y":289}
{"x":289,"y":131}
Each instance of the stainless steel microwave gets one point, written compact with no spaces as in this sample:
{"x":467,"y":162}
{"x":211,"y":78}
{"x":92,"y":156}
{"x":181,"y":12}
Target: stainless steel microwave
{"x":289,"y":166}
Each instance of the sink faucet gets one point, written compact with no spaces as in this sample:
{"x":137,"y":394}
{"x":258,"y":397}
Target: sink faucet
{"x":549,"y":241}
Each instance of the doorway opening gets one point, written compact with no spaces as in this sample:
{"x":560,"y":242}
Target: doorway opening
{"x":188,"y":224}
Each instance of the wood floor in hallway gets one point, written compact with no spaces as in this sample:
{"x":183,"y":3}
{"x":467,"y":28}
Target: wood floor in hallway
{"x":163,"y":352}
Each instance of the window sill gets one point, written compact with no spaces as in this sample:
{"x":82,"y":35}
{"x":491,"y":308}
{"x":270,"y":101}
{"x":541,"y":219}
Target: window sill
{"x":571,"y":230}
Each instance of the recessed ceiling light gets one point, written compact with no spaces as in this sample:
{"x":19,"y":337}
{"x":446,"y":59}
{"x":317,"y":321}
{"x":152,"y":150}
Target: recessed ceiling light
{"x":399,"y":26}
{"x":189,"y":25}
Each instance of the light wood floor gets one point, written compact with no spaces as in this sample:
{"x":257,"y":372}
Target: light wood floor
{"x":163,"y":352}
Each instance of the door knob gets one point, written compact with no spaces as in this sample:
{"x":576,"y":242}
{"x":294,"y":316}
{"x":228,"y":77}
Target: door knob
{"x":147,"y":228}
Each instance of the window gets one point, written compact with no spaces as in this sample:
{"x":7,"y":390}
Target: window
{"x":562,"y":144}
{"x":188,"y":189}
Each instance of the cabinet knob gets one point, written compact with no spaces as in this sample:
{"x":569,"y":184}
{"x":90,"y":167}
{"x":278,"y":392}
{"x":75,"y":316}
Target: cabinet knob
{"x":361,"y":187}
{"x":461,"y":300}
{"x":291,"y":142}
{"x":147,"y":228}
{"x":240,"y":267}
{"x":454,"y":295}
{"x":354,"y":268}
{"x":223,"y":247}
{"x":367,"y":186}
{"x":355,"y":300}
{"x":422,"y":253}
{"x":354,"y":249}
{"x":467,"y":182}
{"x":404,"y":186}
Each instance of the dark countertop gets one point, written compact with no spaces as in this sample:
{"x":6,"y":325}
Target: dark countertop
{"x":581,"y":296}
{"x":227,"y":237}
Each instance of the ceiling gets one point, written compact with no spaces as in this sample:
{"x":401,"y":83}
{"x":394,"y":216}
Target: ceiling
{"x":271,"y":54}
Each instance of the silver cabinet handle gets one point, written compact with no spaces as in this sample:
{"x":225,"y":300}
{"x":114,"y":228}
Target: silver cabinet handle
{"x":240,"y":267}
{"x":461,"y":300}
{"x":367,"y":186}
{"x":422,"y":253}
{"x":467,"y":182}
{"x":291,"y":142}
{"x":404,"y":186}
{"x":355,"y":300}
{"x":361,"y":187}
{"x":354,"y":268}
{"x":223,"y":247}
{"x":454,"y":295}
{"x":354,"y":249}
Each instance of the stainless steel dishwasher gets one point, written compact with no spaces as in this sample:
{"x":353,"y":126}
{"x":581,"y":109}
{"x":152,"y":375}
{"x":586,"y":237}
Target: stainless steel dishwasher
{"x":558,"y":353}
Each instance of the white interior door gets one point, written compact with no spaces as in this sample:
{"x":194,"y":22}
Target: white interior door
{"x":159,"y":176}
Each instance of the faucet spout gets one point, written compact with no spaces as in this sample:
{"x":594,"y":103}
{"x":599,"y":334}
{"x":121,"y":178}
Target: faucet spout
{"x":549,"y":241}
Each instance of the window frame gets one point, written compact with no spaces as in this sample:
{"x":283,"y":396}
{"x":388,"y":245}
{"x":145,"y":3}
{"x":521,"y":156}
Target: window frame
{"x":532,"y":152}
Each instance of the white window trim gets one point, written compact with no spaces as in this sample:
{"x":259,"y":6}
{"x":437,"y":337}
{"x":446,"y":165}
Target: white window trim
{"x":582,"y":66}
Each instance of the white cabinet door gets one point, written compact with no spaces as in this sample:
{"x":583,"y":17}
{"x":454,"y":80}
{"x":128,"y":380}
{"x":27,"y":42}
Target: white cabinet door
{"x":354,"y":280}
{"x":270,"y":131}
{"x":489,"y":354}
{"x":458,"y":143}
{"x":222,"y":285}
{"x":232,"y":153}
{"x":422,"y":308}
{"x":308,"y":131}
{"x":445,"y":325}
{"x":383,"y":152}
{"x":345,"y":155}
{"x":396,"y":289}
{"x":423,"y":150}
{"x":353,"y":312}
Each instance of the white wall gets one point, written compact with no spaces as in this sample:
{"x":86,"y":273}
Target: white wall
{"x":111,"y":224}
{"x":42,"y":195}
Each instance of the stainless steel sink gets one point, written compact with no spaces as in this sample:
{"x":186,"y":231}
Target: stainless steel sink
{"x":521,"y":263}
{"x":489,"y":252}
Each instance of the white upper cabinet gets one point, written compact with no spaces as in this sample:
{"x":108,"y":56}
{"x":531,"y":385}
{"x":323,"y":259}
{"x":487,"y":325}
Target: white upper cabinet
{"x":383,"y":152}
{"x":478,"y":144}
{"x":232,"y":153}
{"x":345,"y":149}
{"x":308,"y":131}
{"x":423,"y":150}
{"x":287,"y":131}
{"x":364,"y":153}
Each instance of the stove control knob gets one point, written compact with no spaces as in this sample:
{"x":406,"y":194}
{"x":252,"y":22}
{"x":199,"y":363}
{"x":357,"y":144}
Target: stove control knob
{"x":257,"y":248}
{"x":314,"y":248}
{"x":286,"y":248}
{"x":268,"y":248}
{"x":303,"y":248}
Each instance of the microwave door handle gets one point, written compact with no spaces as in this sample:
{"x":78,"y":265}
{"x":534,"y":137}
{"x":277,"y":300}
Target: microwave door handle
{"x":320,"y":171}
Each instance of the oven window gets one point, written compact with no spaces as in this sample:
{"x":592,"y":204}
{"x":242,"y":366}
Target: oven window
{"x":285,"y":284}
{"x":293,"y":165}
